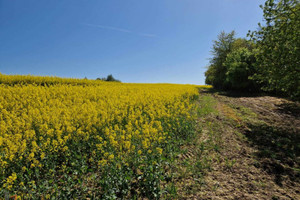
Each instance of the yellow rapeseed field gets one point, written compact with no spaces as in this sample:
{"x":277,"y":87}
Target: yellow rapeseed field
{"x":53,"y":126}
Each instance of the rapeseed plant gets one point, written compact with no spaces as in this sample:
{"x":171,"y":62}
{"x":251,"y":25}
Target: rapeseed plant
{"x":51,"y":127}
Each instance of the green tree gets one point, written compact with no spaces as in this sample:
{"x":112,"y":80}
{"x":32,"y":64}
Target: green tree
{"x":216,"y":73}
{"x":240,"y":68}
{"x":109,"y":78}
{"x":232,"y":63}
{"x":210,"y":75}
{"x":278,"y":59}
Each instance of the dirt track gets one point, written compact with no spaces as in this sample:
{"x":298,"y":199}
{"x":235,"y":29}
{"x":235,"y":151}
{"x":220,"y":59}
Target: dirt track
{"x":259,"y":153}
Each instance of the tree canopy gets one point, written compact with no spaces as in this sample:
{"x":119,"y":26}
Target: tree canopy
{"x":232,"y":63}
{"x":278,"y":59}
{"x":269,"y":61}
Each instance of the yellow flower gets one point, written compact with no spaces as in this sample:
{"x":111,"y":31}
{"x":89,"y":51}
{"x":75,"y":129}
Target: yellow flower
{"x":43,"y":155}
{"x":159,"y":150}
{"x":47,"y":116}
{"x":10,"y":181}
{"x":110,"y":157}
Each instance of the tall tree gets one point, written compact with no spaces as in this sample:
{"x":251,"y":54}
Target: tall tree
{"x":216,"y":73}
{"x":232,"y":63}
{"x":278,"y":60}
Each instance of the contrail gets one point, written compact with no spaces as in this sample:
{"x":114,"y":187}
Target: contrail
{"x":120,"y":30}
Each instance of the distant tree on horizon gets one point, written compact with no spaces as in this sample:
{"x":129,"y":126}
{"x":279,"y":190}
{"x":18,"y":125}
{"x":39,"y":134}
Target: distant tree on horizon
{"x":109,"y":78}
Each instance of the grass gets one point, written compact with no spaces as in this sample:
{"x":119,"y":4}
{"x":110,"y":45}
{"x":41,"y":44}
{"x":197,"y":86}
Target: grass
{"x":225,"y":118}
{"x":195,"y":155}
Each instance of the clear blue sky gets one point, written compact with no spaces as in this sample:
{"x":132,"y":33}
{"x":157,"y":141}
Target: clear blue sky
{"x":145,"y":41}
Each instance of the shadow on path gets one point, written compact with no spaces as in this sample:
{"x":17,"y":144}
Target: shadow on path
{"x":278,"y":150}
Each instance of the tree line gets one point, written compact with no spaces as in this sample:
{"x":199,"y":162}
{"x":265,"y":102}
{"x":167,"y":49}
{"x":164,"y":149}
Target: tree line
{"x":109,"y":78}
{"x":269,"y":60}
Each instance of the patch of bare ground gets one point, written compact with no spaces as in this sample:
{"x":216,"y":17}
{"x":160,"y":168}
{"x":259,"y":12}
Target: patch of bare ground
{"x":251,"y":148}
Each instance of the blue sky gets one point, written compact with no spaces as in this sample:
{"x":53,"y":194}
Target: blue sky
{"x":146,"y":41}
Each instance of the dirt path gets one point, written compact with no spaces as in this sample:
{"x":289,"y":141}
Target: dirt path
{"x":251,"y":150}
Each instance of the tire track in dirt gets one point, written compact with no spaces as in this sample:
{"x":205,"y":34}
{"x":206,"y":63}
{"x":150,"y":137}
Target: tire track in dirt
{"x":236,"y":172}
